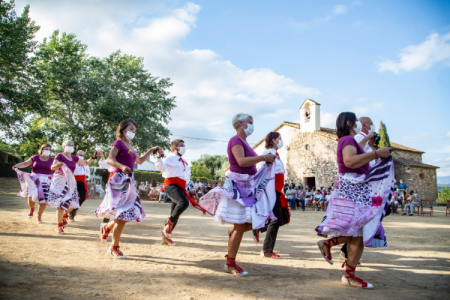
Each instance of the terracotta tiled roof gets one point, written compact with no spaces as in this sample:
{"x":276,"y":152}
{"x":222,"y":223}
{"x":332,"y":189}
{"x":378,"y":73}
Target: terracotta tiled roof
{"x":413,"y":163}
{"x":401,"y":147}
{"x":290,"y":124}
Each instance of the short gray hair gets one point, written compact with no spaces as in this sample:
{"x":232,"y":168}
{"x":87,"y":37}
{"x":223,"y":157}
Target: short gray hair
{"x":240,"y":117}
{"x":67,"y":142}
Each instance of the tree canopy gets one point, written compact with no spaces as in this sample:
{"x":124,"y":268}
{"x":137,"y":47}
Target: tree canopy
{"x":17,"y":87}
{"x":84,"y":98}
{"x":213,"y":164}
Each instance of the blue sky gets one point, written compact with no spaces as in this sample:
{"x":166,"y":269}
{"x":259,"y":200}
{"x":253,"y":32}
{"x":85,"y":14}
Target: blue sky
{"x":389,"y":60}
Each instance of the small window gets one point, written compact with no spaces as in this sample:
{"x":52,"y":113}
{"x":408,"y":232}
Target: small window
{"x":421,"y":176}
{"x":307,"y":147}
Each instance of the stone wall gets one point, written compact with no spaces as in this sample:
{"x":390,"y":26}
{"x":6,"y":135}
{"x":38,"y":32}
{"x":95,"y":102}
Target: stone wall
{"x":408,"y":155}
{"x":421,"y":180}
{"x":321,"y":158}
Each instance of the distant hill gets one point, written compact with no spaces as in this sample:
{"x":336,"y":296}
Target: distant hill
{"x":443,"y":180}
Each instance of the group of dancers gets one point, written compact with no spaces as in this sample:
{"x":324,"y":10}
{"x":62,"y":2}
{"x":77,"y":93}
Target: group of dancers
{"x":250,"y":199}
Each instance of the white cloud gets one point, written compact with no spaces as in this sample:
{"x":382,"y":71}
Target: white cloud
{"x":328,"y":119}
{"x":336,"y":11}
{"x":433,"y":50}
{"x":448,"y":134}
{"x":209,"y":88}
{"x":339,"y":10}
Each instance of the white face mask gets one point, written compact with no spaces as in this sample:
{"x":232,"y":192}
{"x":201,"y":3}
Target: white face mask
{"x":358,"y":127}
{"x":182,"y":150}
{"x":129,"y":135}
{"x":280,"y":144}
{"x":249,"y":130}
{"x":46,"y":153}
{"x":372,"y":128}
{"x":81,"y":157}
{"x":69,"y":149}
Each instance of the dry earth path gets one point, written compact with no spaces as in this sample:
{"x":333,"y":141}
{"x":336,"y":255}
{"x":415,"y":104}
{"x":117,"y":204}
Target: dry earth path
{"x":36,"y":263}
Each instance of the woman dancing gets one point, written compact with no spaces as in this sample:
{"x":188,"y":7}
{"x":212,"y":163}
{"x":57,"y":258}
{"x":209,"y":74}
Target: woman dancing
{"x":35,"y":186}
{"x":63,"y":190}
{"x":281,"y":208}
{"x":358,"y":201}
{"x":121,"y":203}
{"x":248,"y":196}
{"x":177,"y":173}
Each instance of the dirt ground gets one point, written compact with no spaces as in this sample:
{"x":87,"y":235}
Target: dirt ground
{"x":36,"y":263}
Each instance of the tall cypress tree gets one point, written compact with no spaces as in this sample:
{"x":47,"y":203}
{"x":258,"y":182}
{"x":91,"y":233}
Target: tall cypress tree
{"x":384,"y":137}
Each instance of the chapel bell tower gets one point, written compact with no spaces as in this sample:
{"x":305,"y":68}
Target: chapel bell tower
{"x":309,"y":116}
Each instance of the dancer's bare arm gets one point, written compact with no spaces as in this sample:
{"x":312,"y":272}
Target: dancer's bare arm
{"x":239,"y":155}
{"x":23,"y":164}
{"x":353,"y":160}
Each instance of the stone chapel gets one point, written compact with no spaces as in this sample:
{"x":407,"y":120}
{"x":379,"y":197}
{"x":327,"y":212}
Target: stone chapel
{"x":309,"y":155}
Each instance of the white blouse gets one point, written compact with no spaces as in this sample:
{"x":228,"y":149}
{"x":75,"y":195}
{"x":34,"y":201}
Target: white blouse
{"x":174,"y":166}
{"x":279,"y":167}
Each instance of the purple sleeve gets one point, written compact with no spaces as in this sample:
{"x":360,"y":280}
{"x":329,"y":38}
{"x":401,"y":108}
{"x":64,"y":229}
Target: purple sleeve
{"x":235,"y":140}
{"x":119,"y":145}
{"x":33,"y":158}
{"x":75,"y":158}
{"x":348,"y":140}
{"x":59,"y":157}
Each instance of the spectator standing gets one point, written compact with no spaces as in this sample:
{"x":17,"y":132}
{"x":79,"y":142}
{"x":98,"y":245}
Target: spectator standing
{"x":403,"y":187}
{"x":286,"y":186}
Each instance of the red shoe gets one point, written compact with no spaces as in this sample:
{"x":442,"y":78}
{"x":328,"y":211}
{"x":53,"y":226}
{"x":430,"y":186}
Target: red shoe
{"x":327,"y":244}
{"x":269,"y":255}
{"x":351,"y":280}
{"x":231,"y":262}
{"x":166,"y":241}
{"x":256,"y":236}
{"x":30,"y":214}
{"x":115,"y":252}
{"x":39,"y":219}
{"x":71,"y":219}
{"x":60,"y":228}
{"x":168,"y":228}
{"x":104,"y":232}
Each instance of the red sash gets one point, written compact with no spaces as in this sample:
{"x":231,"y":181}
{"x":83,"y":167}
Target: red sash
{"x":182,"y":184}
{"x":279,"y":184}
{"x":110,"y":175}
{"x":82,"y":178}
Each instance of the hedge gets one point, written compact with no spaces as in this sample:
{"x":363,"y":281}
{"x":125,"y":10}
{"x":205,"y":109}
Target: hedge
{"x":147,"y":176}
{"x":7,"y":171}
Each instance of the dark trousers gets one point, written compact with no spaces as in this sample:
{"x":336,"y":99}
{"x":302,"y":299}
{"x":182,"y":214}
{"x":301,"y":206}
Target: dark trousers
{"x":81,"y":195}
{"x":302,"y":201}
{"x":272,"y":228}
{"x":345,"y":249}
{"x":179,"y":202}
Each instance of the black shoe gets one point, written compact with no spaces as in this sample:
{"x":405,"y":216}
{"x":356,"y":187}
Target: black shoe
{"x":411,"y":215}
{"x":403,"y":214}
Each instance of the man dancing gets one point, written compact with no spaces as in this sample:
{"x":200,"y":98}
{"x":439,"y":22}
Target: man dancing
{"x":177,"y":173}
{"x":81,"y":173}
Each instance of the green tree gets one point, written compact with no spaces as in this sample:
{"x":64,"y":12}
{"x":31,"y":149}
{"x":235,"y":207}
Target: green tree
{"x":443,"y":195}
{"x":384,"y":137}
{"x":200,"y":170}
{"x":212,"y":163}
{"x":18,"y":94}
{"x":220,"y":172}
{"x":86,"y":98}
